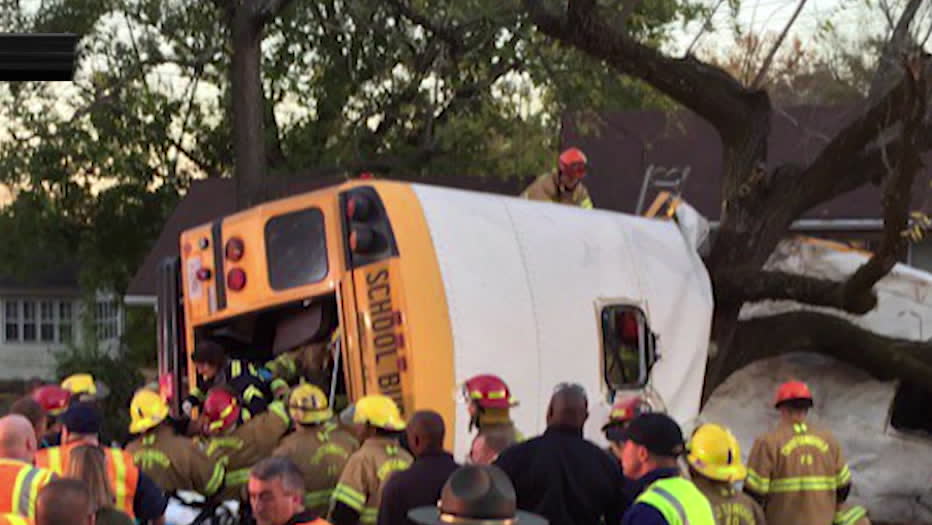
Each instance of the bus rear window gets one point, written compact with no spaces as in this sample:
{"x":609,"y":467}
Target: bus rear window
{"x":296,"y":249}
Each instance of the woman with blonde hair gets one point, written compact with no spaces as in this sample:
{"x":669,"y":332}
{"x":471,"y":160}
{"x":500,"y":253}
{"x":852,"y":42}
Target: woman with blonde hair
{"x":89,"y":463}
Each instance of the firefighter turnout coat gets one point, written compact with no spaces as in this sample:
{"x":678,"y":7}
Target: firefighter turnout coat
{"x":175,"y":462}
{"x":798,"y":472}
{"x":360,"y":484}
{"x":545,"y":188}
{"x":729,"y":506}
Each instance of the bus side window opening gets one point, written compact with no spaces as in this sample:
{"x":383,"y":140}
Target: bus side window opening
{"x":627,"y":346}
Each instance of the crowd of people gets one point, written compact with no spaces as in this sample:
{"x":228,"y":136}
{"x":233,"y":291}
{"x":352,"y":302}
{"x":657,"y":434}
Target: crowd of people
{"x":289,"y":459}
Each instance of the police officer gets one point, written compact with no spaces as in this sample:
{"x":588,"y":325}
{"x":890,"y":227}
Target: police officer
{"x":172,"y":461}
{"x":653,"y":444}
{"x":565,"y":185}
{"x":797,"y":471}
{"x":237,"y":444}
{"x":357,"y":495}
{"x":714,"y":458}
{"x":318,"y":446}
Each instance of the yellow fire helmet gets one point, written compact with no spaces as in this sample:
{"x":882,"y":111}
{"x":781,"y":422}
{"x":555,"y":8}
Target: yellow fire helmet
{"x":146,"y":410}
{"x":80,"y":384}
{"x":376,"y":410}
{"x":714,"y":452}
{"x":308,"y":405}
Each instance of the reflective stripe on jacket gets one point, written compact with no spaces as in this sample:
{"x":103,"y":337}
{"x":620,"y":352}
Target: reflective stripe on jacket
{"x":678,"y":501}
{"x":20,"y":483}
{"x":121,"y":471}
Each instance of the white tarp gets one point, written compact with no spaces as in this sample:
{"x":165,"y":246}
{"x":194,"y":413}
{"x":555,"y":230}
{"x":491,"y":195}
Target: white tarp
{"x":892,"y":470}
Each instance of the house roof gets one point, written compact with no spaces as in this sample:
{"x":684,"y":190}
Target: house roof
{"x":61,"y":278}
{"x":623,"y":145}
{"x":620,"y":148}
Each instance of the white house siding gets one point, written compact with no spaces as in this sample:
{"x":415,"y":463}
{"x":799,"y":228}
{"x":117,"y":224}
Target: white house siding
{"x":35,"y":324}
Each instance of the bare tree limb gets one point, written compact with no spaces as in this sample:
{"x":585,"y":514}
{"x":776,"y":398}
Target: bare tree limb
{"x":888,"y":73}
{"x":821,"y":174}
{"x":765,"y":67}
{"x":883,"y":357}
{"x":705,"y":89}
{"x":705,"y":27}
{"x":898,"y":186}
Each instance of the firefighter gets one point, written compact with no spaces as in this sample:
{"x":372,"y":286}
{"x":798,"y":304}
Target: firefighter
{"x":20,"y":481}
{"x":136,"y":494}
{"x":84,"y":388}
{"x":356,"y":497}
{"x":490,"y":403}
{"x":54,"y":400}
{"x":173,"y":462}
{"x":565,"y":185}
{"x":797,"y":471}
{"x":299,"y":358}
{"x":851,"y":515}
{"x":318,"y":446}
{"x":714,"y":458}
{"x":215,"y":369}
{"x":240,"y":445}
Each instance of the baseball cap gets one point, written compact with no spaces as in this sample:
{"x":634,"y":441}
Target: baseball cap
{"x":82,"y":418}
{"x":656,"y":432}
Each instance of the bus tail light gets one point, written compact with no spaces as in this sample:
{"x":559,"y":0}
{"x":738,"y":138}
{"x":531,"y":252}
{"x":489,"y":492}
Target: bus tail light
{"x":236,"y":279}
{"x":234,"y":249}
{"x":368,"y":232}
{"x":364,"y":240}
{"x":358,"y":208}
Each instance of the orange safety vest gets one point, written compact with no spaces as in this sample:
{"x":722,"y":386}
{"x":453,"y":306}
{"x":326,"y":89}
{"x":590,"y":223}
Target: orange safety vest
{"x":14,"y":519}
{"x":19,"y":486}
{"x":121,"y":471}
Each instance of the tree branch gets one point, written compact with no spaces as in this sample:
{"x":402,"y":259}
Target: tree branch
{"x":762,"y":73}
{"x":898,"y":186}
{"x":450,"y":35}
{"x":837,"y":159}
{"x":883,"y":357}
{"x":705,"y":89}
{"x":887,"y":75}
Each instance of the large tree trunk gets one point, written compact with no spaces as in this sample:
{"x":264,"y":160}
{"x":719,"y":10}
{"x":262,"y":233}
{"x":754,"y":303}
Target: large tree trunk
{"x":248,"y":104}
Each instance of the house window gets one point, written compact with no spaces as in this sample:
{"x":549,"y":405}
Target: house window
{"x":11,"y":320}
{"x":29,"y":321}
{"x":37,"y":321}
{"x":107,"y":320}
{"x":64,"y":322}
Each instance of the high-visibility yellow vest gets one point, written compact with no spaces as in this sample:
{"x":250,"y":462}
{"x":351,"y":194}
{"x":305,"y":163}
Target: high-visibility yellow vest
{"x":19,"y":486}
{"x":679,"y":501}
{"x":121,"y":471}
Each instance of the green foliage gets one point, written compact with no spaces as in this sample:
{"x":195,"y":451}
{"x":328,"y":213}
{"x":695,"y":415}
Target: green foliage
{"x":140,"y":338}
{"x":120,"y":379}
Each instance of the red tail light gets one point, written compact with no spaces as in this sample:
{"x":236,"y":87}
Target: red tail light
{"x":234,"y":249}
{"x":236,"y":279}
{"x":362,"y":240}
{"x":203,"y":274}
{"x":358,"y":208}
